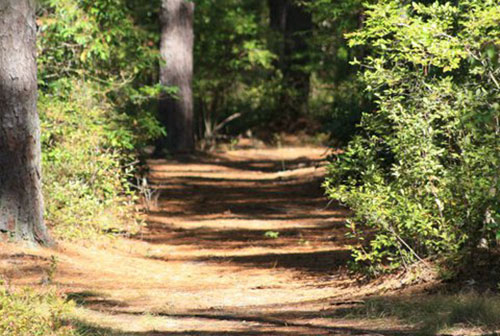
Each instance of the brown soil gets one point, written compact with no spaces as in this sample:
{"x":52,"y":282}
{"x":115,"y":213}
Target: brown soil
{"x":207,"y":262}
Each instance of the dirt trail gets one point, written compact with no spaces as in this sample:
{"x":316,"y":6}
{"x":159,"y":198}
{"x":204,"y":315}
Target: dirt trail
{"x":238,"y":243}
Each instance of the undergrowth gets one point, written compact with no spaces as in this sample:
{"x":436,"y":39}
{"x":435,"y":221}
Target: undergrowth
{"x":422,"y":174}
{"x":27,"y":313}
{"x":435,"y":314}
{"x":96,"y":67}
{"x":87,"y":161}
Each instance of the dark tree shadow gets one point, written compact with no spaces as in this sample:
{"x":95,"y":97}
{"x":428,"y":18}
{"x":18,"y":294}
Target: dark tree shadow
{"x":215,"y":238}
{"x":267,"y":166}
{"x":323,"y":262}
{"x":303,"y":329}
{"x":94,"y":300}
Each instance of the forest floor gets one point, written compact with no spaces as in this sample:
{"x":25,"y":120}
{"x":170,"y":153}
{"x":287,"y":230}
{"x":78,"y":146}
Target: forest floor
{"x":239,"y":242}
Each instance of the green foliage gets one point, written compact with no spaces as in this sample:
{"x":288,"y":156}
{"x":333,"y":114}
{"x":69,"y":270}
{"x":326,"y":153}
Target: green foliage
{"x":337,"y":96}
{"x":97,"y":79}
{"x":423,"y":177}
{"x":339,"y":108}
{"x":25,"y":312}
{"x":272,"y":234}
{"x":237,"y":61}
{"x":233,"y":64}
{"x":330,"y":54}
{"x":99,"y":39}
{"x":100,"y":42}
{"x":86,"y":147}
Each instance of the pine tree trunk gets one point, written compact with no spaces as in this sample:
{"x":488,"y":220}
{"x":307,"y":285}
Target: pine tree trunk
{"x":176,"y":48}
{"x":21,"y":202}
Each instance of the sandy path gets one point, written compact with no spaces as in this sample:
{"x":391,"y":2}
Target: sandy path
{"x":238,"y":243}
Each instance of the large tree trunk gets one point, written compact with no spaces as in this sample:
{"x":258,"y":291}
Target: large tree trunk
{"x":21,"y":203}
{"x":294,"y":24}
{"x":176,"y":48}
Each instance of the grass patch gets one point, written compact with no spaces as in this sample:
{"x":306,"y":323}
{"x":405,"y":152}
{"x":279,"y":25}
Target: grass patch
{"x":436,"y":314}
{"x":27,"y":313}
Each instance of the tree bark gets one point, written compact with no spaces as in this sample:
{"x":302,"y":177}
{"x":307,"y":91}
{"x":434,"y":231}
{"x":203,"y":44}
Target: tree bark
{"x":295,"y":25}
{"x":176,"y":48}
{"x":277,"y":12}
{"x":21,"y":202}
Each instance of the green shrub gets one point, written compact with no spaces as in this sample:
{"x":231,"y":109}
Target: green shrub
{"x":422,"y":177}
{"x":87,"y":146}
{"x":26,"y":313}
{"x":340,"y":116}
{"x":97,"y":91}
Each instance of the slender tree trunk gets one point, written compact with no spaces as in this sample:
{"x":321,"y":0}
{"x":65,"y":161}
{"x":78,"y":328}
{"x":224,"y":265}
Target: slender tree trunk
{"x":176,"y":49}
{"x":295,"y":25}
{"x":296,"y":55}
{"x":277,"y":12}
{"x":21,"y":202}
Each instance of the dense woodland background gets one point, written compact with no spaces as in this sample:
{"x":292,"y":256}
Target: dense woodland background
{"x":408,"y":91}
{"x":420,"y":170}
{"x":253,"y":76}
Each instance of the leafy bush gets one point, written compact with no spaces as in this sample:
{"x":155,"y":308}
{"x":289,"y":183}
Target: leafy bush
{"x":100,"y":39}
{"x":99,"y":43}
{"x":86,"y":147}
{"x":341,"y":112}
{"x":96,"y":89}
{"x":26,"y":313}
{"x":423,"y":176}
